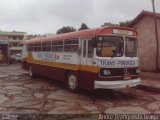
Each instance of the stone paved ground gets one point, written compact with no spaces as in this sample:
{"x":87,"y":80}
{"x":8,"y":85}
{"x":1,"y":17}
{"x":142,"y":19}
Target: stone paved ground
{"x":20,"y":93}
{"x":151,"y":82}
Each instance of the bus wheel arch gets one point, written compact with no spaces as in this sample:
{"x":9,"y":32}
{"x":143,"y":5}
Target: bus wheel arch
{"x":72,"y":82}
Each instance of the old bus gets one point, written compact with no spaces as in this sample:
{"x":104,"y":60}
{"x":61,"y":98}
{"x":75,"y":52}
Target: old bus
{"x":102,"y":58}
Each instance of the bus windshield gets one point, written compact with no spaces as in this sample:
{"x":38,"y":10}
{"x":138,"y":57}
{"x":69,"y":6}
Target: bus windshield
{"x":110,"y":46}
{"x":131,"y":47}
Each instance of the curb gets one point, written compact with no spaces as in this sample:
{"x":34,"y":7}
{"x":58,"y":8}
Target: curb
{"x":149,"y":88}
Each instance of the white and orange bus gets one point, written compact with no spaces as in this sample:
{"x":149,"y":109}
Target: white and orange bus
{"x":102,"y":58}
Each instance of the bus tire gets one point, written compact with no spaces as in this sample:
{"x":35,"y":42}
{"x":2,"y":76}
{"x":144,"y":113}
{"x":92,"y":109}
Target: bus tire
{"x":31,"y":73}
{"x":72,"y":82}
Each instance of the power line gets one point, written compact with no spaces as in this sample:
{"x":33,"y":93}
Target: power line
{"x":156,"y":35}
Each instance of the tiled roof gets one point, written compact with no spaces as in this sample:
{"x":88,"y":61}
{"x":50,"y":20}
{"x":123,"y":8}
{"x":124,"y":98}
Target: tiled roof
{"x":142,"y":14}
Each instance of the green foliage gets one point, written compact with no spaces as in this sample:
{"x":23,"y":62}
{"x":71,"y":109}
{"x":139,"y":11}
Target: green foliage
{"x":124,"y":23}
{"x":109,"y":24}
{"x":66,"y":30}
{"x":83,"y":27}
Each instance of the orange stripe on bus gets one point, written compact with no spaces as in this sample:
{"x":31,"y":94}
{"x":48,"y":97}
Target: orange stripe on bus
{"x":63,"y":65}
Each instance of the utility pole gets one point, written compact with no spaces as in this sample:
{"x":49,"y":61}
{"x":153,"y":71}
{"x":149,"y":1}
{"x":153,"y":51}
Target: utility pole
{"x":8,"y":53}
{"x":156,"y":35}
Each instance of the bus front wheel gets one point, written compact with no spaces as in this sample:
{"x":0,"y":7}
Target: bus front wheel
{"x":72,"y":82}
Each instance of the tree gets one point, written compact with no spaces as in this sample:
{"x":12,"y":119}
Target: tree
{"x":124,"y":23}
{"x":109,"y":24}
{"x":66,"y":30}
{"x":83,"y":27}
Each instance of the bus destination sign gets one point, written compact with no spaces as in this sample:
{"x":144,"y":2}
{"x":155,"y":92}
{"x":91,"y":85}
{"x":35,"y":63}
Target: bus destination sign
{"x":122,"y":32}
{"x":118,"y":63}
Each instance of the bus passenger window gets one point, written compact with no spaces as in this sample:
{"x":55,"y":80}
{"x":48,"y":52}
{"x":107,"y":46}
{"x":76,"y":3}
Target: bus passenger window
{"x":48,"y":46}
{"x":30,"y":47}
{"x":43,"y":49}
{"x":39,"y":49}
{"x":57,"y":46}
{"x":71,"y":45}
{"x":35,"y":47}
{"x":43,"y":46}
{"x":90,"y":49}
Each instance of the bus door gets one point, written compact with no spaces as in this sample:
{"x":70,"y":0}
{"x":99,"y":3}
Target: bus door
{"x":86,"y":63}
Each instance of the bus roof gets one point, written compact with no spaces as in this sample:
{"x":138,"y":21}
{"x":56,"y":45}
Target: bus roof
{"x":81,"y":34}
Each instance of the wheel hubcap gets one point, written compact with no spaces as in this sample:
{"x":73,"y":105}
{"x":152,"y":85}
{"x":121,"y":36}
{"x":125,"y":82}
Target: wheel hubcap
{"x":72,"y":82}
{"x":30,"y":71}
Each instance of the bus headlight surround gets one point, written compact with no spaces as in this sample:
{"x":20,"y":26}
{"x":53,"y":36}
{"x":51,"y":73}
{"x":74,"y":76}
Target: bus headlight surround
{"x":138,"y":71}
{"x":106,"y":72}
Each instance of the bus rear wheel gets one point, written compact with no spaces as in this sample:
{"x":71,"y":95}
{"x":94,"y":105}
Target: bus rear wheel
{"x":31,"y":73}
{"x":72,"y":82}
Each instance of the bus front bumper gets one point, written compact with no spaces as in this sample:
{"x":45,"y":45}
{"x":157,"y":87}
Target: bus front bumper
{"x":116,"y":84}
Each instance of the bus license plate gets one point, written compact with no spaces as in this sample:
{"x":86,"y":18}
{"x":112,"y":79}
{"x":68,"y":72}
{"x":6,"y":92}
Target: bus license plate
{"x":127,"y":77}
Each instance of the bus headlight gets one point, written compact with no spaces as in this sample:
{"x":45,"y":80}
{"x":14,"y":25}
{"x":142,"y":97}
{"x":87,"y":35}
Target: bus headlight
{"x":106,"y":72}
{"x":138,"y":71}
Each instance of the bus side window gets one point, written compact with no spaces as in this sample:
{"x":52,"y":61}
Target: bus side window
{"x":35,"y":47}
{"x":48,"y":46}
{"x":71,"y":45}
{"x":39,"y":46}
{"x":43,"y":46}
{"x":30,"y":47}
{"x":90,"y":49}
{"x":57,"y":46}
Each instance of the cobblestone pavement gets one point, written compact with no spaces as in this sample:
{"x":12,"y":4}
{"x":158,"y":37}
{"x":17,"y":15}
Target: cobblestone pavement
{"x":20,"y":93}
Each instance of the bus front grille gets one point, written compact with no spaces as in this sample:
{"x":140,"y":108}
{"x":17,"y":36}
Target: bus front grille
{"x":117,"y":72}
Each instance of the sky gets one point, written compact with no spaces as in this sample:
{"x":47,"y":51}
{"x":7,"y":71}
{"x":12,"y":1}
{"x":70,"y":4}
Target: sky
{"x":47,"y":16}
